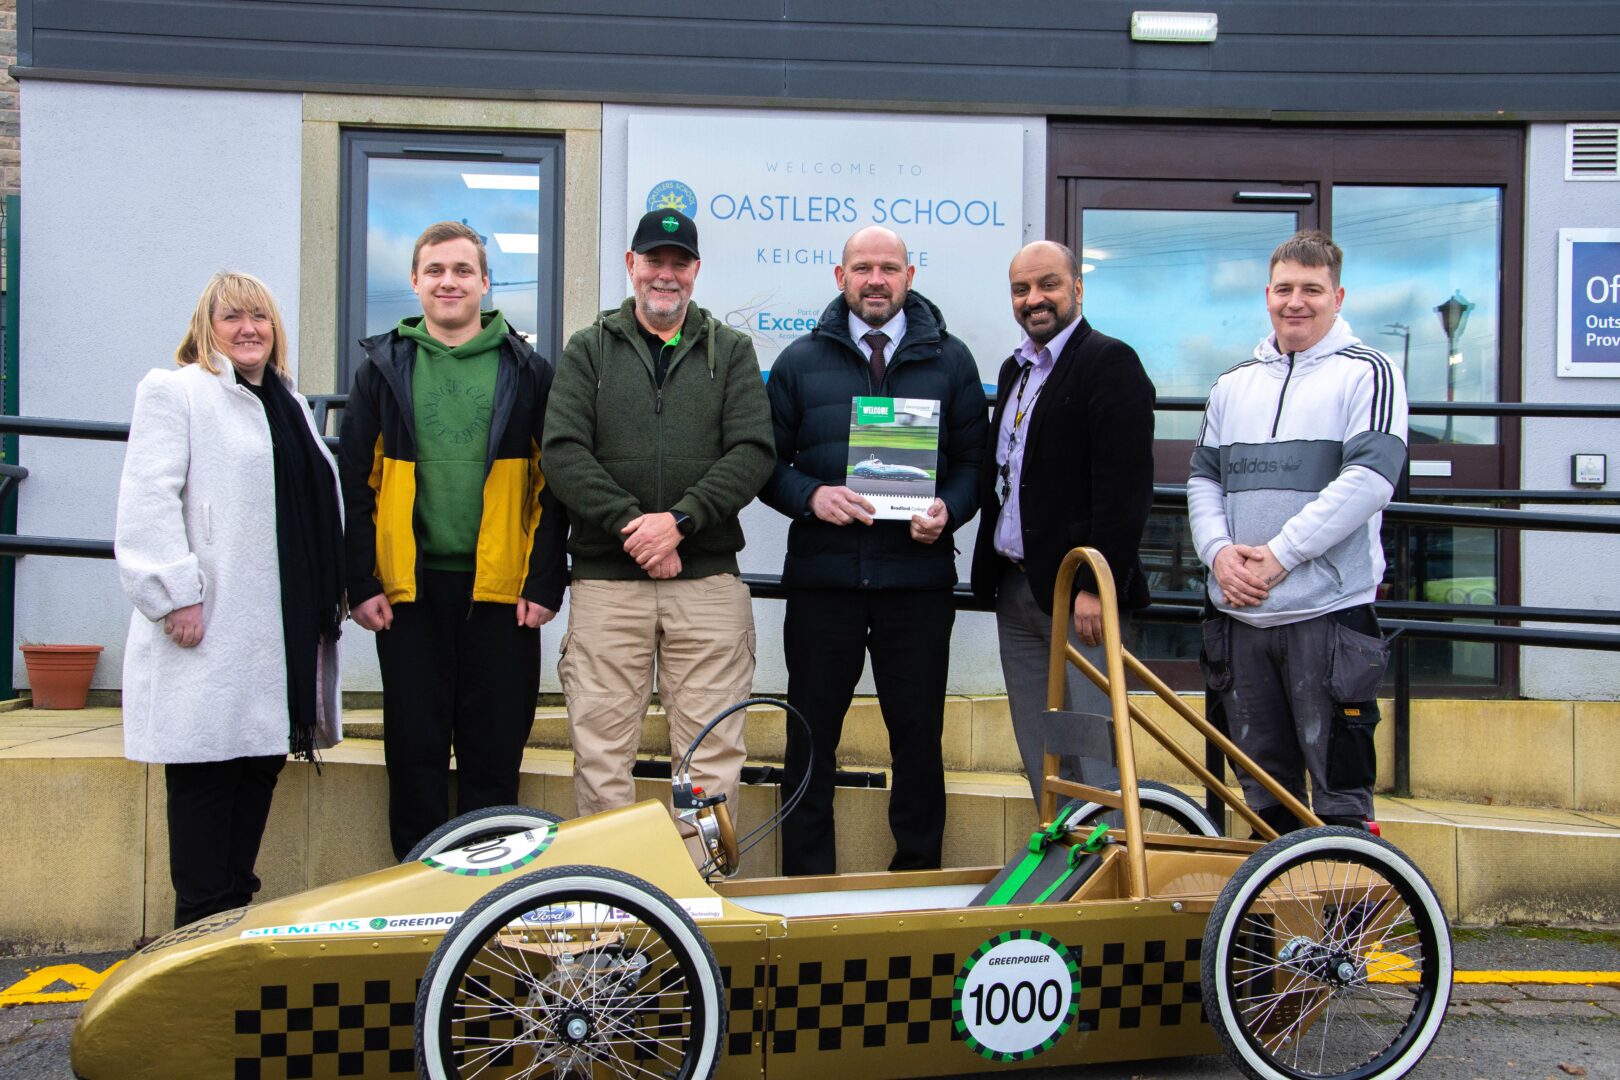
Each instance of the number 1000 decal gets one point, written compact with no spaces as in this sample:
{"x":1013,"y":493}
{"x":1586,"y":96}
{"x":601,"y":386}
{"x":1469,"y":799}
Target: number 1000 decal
{"x":1016,"y":995}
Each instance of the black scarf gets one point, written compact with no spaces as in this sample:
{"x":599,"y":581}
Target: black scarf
{"x":309,"y":545}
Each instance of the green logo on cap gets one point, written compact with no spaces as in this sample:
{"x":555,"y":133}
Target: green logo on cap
{"x":670,"y":224}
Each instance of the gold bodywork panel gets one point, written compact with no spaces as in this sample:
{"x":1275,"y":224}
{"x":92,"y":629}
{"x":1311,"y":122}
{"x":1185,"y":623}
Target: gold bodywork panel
{"x":324,"y":983}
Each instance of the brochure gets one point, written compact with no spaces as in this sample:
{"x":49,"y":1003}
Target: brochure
{"x":893,"y":454}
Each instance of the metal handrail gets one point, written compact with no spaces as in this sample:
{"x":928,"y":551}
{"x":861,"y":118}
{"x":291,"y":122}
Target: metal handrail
{"x":1506,"y":410}
{"x":1165,"y":607}
{"x":1174,"y":496}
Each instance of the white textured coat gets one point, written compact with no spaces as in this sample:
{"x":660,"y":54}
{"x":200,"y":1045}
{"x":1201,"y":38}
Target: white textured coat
{"x":197,"y":524}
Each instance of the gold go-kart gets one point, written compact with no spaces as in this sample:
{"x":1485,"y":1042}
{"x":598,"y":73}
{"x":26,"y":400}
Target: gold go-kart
{"x":516,"y":945}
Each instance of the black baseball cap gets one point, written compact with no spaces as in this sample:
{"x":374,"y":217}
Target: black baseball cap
{"x":665,"y":228}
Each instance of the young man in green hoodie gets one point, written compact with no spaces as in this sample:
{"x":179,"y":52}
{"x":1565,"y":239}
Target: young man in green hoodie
{"x":658,"y":434}
{"x":454,"y":541}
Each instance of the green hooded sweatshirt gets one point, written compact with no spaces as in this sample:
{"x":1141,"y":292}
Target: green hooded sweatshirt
{"x":454,"y":389}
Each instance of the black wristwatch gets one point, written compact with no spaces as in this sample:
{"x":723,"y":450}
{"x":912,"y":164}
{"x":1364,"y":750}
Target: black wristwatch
{"x":683,"y":522}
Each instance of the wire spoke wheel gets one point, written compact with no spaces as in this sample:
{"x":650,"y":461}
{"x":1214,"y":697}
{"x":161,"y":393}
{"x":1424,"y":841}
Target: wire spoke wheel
{"x":571,"y":972}
{"x":1327,"y":955}
{"x":1164,"y":810}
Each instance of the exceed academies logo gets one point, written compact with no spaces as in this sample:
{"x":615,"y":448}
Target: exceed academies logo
{"x":673,"y":195}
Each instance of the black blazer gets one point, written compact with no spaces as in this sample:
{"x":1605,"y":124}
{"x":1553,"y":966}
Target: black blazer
{"x":1088,"y":470}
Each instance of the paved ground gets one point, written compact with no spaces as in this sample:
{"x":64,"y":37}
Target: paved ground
{"x":1493,"y":1032}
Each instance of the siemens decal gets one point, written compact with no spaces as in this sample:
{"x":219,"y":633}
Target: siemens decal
{"x":847,"y":210}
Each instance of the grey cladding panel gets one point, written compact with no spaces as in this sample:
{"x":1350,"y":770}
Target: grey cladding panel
{"x":334,"y":65}
{"x":1374,"y":56}
{"x":1360,"y":92}
{"x":475,"y":31}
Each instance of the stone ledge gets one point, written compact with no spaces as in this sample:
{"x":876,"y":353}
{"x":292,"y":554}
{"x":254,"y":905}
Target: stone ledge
{"x":90,"y":813}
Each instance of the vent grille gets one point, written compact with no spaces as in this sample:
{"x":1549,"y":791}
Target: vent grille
{"x":1594,"y":152}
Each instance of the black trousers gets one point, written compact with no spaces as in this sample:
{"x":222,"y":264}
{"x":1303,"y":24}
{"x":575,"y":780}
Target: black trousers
{"x":457,"y":676}
{"x":825,"y":636}
{"x":217,"y":811}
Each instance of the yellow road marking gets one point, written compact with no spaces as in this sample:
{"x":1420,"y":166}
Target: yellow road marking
{"x":1539,"y":978}
{"x":1387,"y":967}
{"x":30,"y":990}
{"x":1382,"y":967}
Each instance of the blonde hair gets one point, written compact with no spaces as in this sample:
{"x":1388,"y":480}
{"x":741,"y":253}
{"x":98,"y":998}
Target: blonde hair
{"x":243,"y":292}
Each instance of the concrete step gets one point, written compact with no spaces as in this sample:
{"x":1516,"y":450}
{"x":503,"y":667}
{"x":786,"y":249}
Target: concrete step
{"x":1524,"y":753}
{"x":91,"y":871}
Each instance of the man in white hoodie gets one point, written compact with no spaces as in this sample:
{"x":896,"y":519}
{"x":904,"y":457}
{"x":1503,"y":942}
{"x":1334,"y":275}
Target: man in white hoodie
{"x":1299,"y":453}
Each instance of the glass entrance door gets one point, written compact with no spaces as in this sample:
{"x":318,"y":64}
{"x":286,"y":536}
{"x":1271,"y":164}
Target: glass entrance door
{"x":1177,"y":269}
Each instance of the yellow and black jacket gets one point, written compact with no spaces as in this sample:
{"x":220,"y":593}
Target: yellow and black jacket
{"x":522,"y":529}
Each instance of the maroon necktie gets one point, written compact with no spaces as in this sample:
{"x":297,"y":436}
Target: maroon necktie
{"x":879,"y":341}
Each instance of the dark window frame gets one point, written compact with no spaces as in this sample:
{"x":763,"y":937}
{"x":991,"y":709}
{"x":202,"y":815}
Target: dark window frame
{"x":360,"y":145}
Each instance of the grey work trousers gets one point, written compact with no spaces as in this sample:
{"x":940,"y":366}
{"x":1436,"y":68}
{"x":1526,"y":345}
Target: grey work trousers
{"x":1025,"y":634}
{"x":1300,"y":698}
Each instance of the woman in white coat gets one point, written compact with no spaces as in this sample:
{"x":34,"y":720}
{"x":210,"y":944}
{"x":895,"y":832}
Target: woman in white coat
{"x":229,"y":543}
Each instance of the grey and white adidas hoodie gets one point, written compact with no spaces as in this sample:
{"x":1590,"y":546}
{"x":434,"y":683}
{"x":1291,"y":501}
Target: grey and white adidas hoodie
{"x":1301,"y":451}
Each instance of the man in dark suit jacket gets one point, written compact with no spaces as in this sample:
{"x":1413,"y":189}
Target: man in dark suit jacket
{"x":1070,"y":463}
{"x":856,"y":585}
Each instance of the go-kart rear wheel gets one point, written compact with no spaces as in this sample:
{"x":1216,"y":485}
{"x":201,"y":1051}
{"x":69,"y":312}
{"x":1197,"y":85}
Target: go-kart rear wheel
{"x":1327,"y":955}
{"x":576,"y":971}
{"x":476,"y":825}
{"x":1164,"y":810}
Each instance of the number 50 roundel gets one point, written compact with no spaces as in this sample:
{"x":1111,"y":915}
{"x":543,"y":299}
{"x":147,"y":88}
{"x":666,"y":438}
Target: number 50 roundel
{"x":1016,"y":995}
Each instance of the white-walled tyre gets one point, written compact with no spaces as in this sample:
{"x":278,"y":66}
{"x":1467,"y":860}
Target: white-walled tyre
{"x":1164,"y":810}
{"x":576,"y":971}
{"x":1327,"y":955}
{"x":476,"y":825}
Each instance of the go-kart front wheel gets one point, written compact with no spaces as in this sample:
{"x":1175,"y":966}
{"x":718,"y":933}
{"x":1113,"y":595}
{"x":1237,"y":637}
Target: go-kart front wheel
{"x":476,"y":825}
{"x":1327,"y":955}
{"x":576,"y":971}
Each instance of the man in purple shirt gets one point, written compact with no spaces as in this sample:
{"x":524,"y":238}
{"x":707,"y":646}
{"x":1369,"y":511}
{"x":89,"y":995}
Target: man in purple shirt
{"x":1073,"y":465}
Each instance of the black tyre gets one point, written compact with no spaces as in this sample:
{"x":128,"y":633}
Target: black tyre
{"x":476,"y":825}
{"x":1327,"y":955}
{"x":576,"y":971}
{"x":1164,"y":810}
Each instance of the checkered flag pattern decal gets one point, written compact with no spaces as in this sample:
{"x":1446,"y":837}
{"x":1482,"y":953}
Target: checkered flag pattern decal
{"x":906,"y":1000}
{"x":1162,"y":977}
{"x":892,"y":1001}
{"x":363,"y":1029}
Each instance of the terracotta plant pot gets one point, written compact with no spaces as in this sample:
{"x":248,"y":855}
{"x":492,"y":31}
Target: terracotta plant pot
{"x":59,"y":675}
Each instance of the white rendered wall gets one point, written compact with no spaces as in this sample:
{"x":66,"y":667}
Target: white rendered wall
{"x":132,"y":198}
{"x":1564,"y":569}
{"x":975,"y":660}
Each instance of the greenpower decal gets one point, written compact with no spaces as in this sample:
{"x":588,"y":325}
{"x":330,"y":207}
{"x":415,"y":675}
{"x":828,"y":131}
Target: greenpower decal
{"x":499,"y":856}
{"x":428,"y":922}
{"x":1016,"y":995}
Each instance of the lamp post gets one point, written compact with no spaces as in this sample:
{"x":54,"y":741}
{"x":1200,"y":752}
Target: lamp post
{"x":1453,"y":319}
{"x":1404,"y":332}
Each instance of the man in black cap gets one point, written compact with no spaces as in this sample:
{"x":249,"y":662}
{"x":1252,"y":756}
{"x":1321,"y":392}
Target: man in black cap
{"x":658,"y":434}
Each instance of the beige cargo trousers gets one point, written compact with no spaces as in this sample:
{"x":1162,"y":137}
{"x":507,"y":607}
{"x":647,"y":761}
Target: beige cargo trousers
{"x":698,"y":634}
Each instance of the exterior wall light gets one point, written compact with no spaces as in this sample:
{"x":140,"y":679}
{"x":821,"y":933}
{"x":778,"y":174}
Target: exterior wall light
{"x":1187,"y":27}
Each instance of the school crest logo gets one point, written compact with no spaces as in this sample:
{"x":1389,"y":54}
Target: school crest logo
{"x":673,"y":195}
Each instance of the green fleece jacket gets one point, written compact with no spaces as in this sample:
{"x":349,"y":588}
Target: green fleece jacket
{"x":618,"y":446}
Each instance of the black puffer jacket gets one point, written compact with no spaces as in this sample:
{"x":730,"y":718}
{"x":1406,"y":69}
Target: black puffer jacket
{"x":810,"y":388}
